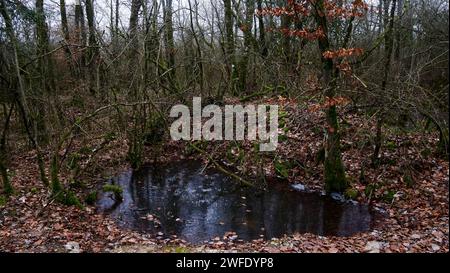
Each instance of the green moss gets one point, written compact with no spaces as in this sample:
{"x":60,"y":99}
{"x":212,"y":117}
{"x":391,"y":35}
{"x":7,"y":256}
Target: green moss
{"x":282,"y":118}
{"x":2,"y":200}
{"x":390,"y":145}
{"x":388,"y":196}
{"x":54,"y":170}
{"x":256,"y":147}
{"x":282,"y":168}
{"x":351,"y":193}
{"x":112,"y":188}
{"x":91,"y":198}
{"x":135,"y":156}
{"x":370,"y":189}
{"x":116,"y":190}
{"x":34,"y":190}
{"x":334,"y":174}
{"x":69,"y":198}
{"x":180,"y":249}
{"x":282,"y":138}
{"x":5,"y":177}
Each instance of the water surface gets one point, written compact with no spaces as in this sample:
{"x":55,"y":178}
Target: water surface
{"x":183,"y":199}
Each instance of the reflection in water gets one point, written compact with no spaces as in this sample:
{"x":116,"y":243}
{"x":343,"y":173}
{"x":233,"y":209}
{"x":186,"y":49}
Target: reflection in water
{"x":200,"y":206}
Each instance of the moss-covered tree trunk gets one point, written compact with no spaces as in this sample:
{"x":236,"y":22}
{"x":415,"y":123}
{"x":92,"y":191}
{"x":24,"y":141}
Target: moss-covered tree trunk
{"x":334,"y":173}
{"x":229,"y":46}
{"x":7,"y":186}
{"x":247,"y":29}
{"x":54,"y":175}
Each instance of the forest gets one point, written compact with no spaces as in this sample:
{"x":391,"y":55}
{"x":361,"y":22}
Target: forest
{"x":359,"y":118}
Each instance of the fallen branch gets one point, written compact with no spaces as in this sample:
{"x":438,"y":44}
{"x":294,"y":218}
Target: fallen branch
{"x":222,"y":169}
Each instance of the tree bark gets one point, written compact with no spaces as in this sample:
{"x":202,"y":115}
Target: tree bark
{"x":7,"y":186}
{"x":247,"y":29}
{"x":81,"y":39}
{"x":20,"y":92}
{"x":45,"y":67}
{"x":334,"y":172}
{"x":399,"y":30}
{"x":65,"y":30}
{"x":229,"y":44}
{"x":132,"y":28}
{"x":199,"y":61}
{"x":93,"y":51}
{"x":286,"y":22}
{"x":170,"y":44}
{"x":388,"y":48}
{"x":262,"y":33}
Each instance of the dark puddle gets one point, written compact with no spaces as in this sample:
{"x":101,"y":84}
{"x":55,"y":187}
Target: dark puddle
{"x":179,"y":199}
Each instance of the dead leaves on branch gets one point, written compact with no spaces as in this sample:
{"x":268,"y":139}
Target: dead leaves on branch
{"x":329,"y":102}
{"x":304,"y":8}
{"x":342,"y":53}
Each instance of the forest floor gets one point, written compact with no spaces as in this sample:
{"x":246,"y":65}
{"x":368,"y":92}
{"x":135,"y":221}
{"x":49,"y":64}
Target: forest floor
{"x":409,"y":189}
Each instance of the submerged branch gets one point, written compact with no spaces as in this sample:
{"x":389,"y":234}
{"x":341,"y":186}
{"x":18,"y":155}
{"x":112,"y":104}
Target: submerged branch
{"x":222,"y":169}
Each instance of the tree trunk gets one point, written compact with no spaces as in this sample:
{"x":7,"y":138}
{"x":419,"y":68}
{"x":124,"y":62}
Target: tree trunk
{"x":286,"y":22}
{"x":45,"y":67}
{"x":388,"y":48}
{"x":132,"y":28}
{"x":7,"y":186}
{"x":262,"y":33}
{"x":116,"y":27}
{"x":65,"y":31}
{"x":229,"y":45}
{"x":199,"y":61}
{"x":20,"y":92}
{"x":334,"y":173}
{"x":399,"y":30}
{"x":93,"y":51}
{"x":151,"y":43}
{"x":81,"y":39}
{"x":247,"y":29}
{"x":170,"y":44}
